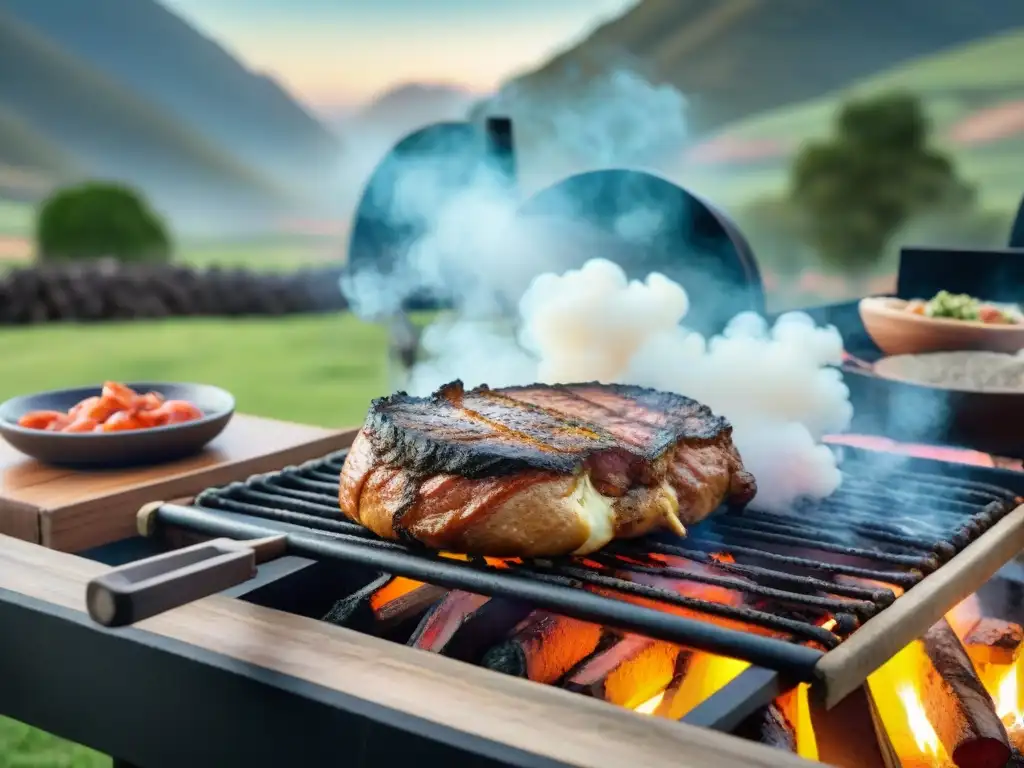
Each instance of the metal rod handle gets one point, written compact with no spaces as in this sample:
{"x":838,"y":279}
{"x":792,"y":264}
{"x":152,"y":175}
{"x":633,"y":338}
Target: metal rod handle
{"x":145,"y":588}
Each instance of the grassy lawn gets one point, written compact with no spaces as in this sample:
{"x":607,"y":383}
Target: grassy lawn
{"x":320,"y":369}
{"x":25,"y":747}
{"x":262,"y":256}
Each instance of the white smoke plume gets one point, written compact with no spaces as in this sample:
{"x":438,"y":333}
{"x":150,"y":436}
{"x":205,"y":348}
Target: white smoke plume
{"x":471,"y":254}
{"x":776,"y":385}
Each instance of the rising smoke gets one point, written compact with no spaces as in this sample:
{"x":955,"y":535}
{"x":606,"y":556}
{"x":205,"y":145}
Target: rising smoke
{"x":775,"y":384}
{"x":616,"y":120}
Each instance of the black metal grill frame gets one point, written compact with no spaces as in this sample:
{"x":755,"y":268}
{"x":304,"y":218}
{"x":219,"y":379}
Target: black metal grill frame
{"x":961,"y":503}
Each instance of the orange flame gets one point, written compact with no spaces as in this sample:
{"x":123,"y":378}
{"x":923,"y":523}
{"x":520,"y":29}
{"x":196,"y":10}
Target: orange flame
{"x":921,"y":729}
{"x":1007,"y":698}
{"x":705,"y":675}
{"x":901,"y":711}
{"x":650,"y":706}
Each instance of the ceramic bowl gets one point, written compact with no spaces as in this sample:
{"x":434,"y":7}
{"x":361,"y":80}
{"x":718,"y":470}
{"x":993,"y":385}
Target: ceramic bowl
{"x":898,"y":332}
{"x":115,"y":449}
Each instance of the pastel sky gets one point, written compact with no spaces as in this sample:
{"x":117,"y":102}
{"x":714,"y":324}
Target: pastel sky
{"x":336,"y":52}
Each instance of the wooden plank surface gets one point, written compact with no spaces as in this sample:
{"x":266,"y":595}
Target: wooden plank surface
{"x":74,"y":510}
{"x":551,"y":722}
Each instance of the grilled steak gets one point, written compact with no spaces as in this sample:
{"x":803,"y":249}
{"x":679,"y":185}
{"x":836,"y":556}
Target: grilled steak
{"x":539,"y":470}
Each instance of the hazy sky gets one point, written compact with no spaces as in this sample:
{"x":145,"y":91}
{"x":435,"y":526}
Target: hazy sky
{"x":344,"y":51}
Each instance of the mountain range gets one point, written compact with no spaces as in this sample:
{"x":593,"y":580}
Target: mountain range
{"x":735,"y":58}
{"x":126,"y":89}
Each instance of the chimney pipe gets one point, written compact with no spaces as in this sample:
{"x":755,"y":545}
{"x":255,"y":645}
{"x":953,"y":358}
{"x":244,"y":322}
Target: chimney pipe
{"x":501,"y":151}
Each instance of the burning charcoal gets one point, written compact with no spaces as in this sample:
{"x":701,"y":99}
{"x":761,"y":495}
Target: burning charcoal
{"x":697,"y":675}
{"x":957,"y":704}
{"x":770,"y":727}
{"x":465,"y":626}
{"x":994,"y":641}
{"x":383,"y":604}
{"x":544,"y":647}
{"x":629,"y":672}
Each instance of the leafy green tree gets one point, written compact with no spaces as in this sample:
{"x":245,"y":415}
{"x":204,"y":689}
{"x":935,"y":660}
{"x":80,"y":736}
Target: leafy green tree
{"x":857,"y":189}
{"x":100,"y":219}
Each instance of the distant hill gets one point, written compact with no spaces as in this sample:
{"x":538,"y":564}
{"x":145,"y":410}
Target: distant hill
{"x":735,"y":58}
{"x":413,"y":105}
{"x":973,"y":94}
{"x":112,"y":132}
{"x":142,"y":46}
{"x":22,"y":147}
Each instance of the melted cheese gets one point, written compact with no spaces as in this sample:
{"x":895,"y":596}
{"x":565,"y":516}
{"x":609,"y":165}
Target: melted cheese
{"x":669,"y":502}
{"x":596,"y":511}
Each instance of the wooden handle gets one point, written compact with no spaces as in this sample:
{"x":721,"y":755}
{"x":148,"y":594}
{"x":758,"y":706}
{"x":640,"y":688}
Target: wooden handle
{"x":145,"y":588}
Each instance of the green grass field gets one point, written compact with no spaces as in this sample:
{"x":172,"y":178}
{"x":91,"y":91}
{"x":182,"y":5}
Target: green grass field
{"x":25,"y":747}
{"x":320,"y":369}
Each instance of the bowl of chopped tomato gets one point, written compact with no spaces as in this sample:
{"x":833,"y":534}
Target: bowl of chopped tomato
{"x":945,"y":323}
{"x":116,"y":424}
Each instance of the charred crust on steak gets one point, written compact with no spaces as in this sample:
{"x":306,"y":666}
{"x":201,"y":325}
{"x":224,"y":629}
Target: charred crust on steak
{"x":405,"y":502}
{"x":482,"y":432}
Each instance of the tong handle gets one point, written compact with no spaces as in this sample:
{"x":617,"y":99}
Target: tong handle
{"x":145,"y":588}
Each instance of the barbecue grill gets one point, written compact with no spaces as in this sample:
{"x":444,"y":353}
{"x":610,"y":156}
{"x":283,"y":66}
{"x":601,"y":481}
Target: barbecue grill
{"x":810,"y":603}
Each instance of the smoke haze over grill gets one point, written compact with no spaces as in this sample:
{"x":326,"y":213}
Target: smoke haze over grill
{"x":775,"y":384}
{"x":522,"y":314}
{"x":464,"y":245}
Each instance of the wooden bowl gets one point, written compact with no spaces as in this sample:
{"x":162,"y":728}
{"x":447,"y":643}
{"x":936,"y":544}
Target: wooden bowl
{"x":898,"y":332}
{"x":117,"y":449}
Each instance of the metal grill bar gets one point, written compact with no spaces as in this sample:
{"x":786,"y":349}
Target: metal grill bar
{"x":805,"y":583}
{"x":536,"y":588}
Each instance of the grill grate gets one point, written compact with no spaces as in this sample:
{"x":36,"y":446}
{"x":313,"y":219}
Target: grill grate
{"x":805,"y":578}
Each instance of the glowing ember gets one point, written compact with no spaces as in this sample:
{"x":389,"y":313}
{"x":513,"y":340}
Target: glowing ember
{"x":964,"y":615}
{"x":702,"y":676}
{"x":393,"y":590}
{"x":651,"y":705}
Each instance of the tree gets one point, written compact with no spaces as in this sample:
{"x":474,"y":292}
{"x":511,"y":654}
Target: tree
{"x":97,"y":219}
{"x":857,"y":189}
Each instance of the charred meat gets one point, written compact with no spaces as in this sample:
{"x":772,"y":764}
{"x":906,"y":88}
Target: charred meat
{"x":540,"y":470}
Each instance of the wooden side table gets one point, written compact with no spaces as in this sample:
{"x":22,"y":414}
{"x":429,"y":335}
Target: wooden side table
{"x":73,"y":510}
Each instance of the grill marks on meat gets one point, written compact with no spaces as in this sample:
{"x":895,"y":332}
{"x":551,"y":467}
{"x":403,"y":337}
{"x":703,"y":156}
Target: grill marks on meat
{"x":496,"y":471}
{"x":485,"y":432}
{"x":645,"y":418}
